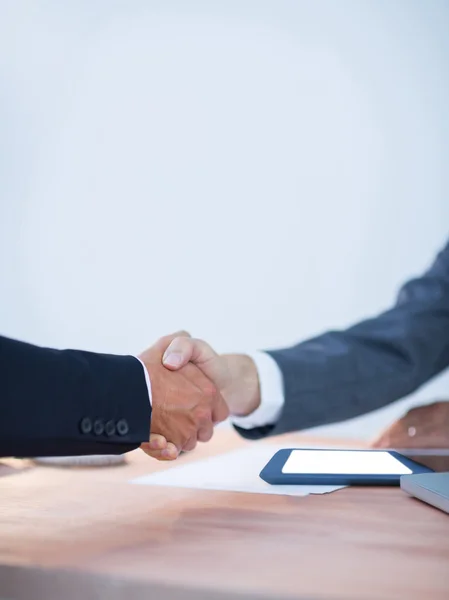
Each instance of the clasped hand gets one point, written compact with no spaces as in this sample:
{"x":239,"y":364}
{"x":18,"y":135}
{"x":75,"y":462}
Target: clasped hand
{"x":194,"y":388}
{"x":186,"y":404}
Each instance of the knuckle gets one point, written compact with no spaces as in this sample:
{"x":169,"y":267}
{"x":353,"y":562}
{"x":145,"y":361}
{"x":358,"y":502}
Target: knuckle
{"x":190,"y":444}
{"x":203,"y":414}
{"x":182,"y":333}
{"x":210,"y":390}
{"x":206,"y":434}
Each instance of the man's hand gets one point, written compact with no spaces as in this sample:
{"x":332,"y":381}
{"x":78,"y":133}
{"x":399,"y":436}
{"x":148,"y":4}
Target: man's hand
{"x":235,"y":375}
{"x":185,"y":405}
{"x":422,"y":427}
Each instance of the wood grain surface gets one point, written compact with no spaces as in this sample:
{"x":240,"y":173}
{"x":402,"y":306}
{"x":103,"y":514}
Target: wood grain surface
{"x":86,"y":532}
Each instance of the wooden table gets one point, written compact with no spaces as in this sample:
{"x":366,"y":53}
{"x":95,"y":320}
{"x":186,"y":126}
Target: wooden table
{"x":87,"y":533}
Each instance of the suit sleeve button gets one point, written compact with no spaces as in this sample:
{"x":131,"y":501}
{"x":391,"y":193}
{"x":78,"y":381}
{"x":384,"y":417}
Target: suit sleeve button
{"x":98,"y":427}
{"x":86,"y":425}
{"x":122,"y":427}
{"x":109,"y":428}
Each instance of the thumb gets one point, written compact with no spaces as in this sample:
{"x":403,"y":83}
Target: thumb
{"x":164,"y":342}
{"x":185,"y":349}
{"x":161,"y":345}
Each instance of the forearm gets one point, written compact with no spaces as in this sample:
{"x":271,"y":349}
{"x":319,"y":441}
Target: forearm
{"x":70,"y":402}
{"x":343,"y":374}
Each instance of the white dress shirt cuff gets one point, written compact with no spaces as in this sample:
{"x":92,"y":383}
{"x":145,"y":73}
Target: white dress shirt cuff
{"x":271,"y":394}
{"x":147,"y":380}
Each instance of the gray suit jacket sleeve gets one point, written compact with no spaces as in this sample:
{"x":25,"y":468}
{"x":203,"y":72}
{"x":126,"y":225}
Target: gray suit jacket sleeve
{"x":343,"y":374}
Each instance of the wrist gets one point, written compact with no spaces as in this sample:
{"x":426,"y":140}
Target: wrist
{"x":243,"y":392}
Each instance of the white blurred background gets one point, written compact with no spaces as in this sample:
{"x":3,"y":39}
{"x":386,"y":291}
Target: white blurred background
{"x":252,"y":171}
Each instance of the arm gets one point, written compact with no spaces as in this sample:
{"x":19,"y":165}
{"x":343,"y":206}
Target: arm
{"x":56,"y":403}
{"x":340,"y":374}
{"x":343,"y":374}
{"x":70,"y":402}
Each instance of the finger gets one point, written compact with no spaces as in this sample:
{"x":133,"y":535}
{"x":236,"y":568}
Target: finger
{"x":183,"y":350}
{"x":205,"y":433}
{"x":170,"y":452}
{"x":190,"y":444}
{"x":157,"y":442}
{"x":161,"y":344}
{"x":220,"y":411}
{"x":381,"y":442}
{"x":166,"y":340}
{"x":398,"y":437}
{"x":156,"y":455}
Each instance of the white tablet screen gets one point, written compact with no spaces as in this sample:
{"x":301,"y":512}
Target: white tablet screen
{"x":343,"y":462}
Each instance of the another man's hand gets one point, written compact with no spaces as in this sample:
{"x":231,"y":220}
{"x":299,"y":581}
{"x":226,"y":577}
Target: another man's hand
{"x":185,"y":405}
{"x":421,"y":427}
{"x":234,"y":375}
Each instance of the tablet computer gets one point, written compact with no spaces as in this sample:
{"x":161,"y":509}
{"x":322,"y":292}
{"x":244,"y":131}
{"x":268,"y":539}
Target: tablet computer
{"x":339,"y":467}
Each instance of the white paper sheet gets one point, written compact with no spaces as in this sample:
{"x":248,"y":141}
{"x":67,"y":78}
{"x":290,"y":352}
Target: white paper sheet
{"x":236,"y":471}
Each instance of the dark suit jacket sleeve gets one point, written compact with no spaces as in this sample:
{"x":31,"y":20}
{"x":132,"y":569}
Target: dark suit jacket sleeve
{"x":68,"y":402}
{"x":343,"y":374}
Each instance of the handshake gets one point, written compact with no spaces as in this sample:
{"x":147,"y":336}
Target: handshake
{"x":193,"y":388}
